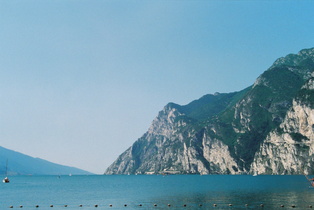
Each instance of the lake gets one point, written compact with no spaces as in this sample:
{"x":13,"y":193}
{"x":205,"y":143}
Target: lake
{"x":157,"y":192}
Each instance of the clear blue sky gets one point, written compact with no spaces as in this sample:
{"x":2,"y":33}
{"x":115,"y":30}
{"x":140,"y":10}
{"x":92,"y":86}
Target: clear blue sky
{"x":81,"y":81}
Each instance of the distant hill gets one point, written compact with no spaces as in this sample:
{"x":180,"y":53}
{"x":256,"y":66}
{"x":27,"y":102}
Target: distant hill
{"x":20,"y":164}
{"x":267,"y":128}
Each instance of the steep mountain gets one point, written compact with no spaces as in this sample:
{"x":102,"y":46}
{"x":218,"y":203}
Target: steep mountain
{"x":289,"y":149}
{"x":20,"y":164}
{"x":265,"y":128}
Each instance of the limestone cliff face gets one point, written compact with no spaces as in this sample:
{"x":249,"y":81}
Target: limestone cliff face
{"x":170,"y":146}
{"x":290,"y":148}
{"x":266,"y":128}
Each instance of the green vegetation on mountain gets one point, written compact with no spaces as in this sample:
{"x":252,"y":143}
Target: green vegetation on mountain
{"x":191,"y":138}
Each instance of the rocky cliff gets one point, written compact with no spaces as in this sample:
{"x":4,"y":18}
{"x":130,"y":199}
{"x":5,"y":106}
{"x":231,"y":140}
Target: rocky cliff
{"x":289,"y":149}
{"x":266,"y":128}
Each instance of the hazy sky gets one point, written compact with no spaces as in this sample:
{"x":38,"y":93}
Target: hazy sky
{"x":82,"y":80}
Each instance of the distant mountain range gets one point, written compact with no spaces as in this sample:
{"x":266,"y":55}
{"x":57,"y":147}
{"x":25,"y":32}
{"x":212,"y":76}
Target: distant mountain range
{"x":267,"y":128}
{"x":20,"y":164}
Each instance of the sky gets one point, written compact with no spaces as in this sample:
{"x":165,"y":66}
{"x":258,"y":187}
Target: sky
{"x":82,"y":80}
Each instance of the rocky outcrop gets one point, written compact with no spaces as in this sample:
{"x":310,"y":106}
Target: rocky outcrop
{"x":266,"y":128}
{"x":290,"y":148}
{"x":167,"y":149}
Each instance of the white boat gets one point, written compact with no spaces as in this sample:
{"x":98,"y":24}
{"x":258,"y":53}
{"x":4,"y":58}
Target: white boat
{"x":6,"y":179}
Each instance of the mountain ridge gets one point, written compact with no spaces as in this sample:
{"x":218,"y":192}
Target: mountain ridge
{"x":224,"y":133}
{"x":21,"y":164}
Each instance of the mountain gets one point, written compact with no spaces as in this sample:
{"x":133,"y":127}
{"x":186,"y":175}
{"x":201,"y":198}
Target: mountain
{"x":267,"y":128}
{"x":20,"y":164}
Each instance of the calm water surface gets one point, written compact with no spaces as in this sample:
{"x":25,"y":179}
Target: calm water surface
{"x":156,"y":192}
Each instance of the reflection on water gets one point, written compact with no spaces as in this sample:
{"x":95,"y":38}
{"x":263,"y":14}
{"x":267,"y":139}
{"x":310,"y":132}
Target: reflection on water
{"x":158,"y":192}
{"x":242,"y":192}
{"x":241,"y":200}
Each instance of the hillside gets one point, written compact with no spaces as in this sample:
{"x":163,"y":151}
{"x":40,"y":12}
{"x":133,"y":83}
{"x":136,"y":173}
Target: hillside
{"x":20,"y":164}
{"x":266,"y":128}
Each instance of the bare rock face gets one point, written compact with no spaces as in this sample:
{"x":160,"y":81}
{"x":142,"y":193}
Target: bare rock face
{"x":164,"y":148}
{"x":267,"y":128}
{"x":290,"y":148}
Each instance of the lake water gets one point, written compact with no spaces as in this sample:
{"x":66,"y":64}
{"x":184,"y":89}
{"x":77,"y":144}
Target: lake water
{"x":156,"y":192}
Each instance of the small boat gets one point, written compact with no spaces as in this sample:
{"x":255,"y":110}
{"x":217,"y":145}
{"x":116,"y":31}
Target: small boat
{"x":6,"y":179}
